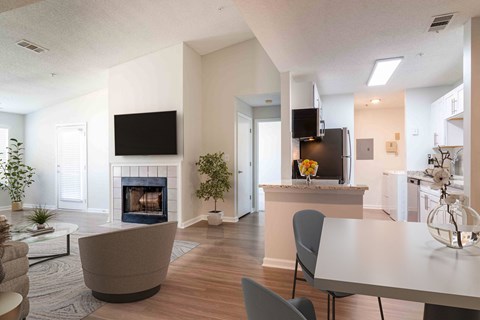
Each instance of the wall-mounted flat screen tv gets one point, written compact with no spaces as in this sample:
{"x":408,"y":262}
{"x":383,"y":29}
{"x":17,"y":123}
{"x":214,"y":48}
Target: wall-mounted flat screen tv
{"x":153,"y":133}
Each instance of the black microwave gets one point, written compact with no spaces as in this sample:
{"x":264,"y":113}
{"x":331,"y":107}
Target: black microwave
{"x":306,"y":124}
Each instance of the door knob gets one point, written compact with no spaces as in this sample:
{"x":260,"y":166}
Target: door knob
{"x":239,"y":171}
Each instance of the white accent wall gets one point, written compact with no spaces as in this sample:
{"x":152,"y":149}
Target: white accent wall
{"x":241,"y":69}
{"x":169,"y":79}
{"x":380,"y":125}
{"x":40,"y":152}
{"x":15,"y":124}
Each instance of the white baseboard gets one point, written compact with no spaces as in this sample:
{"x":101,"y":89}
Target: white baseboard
{"x":46,"y":206}
{"x":278,"y":263}
{"x":230,"y":219}
{"x":372,"y":206}
{"x":5,"y":208}
{"x":97,"y":210}
{"x":191,"y":222}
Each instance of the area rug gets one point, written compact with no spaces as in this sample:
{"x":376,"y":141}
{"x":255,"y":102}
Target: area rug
{"x":57,"y":290}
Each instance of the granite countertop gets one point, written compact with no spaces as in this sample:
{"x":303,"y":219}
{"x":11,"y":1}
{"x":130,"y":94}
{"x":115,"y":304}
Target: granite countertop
{"x":315,"y":185}
{"x":420,"y":175}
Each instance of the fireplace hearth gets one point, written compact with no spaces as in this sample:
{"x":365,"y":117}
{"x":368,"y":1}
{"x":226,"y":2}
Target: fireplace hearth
{"x":144,"y":200}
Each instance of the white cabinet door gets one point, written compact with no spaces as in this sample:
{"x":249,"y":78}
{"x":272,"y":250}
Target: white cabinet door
{"x":460,"y":107}
{"x":424,"y":206}
{"x":438,"y":122}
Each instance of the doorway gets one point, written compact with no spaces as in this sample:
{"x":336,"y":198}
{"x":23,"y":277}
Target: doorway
{"x":268,"y":156}
{"x":244,"y":165}
{"x":72,"y":167}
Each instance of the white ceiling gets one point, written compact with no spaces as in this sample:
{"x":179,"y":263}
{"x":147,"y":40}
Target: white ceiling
{"x":259,"y":100}
{"x":86,"y":37}
{"x":338,"y":41}
{"x":389,"y":100}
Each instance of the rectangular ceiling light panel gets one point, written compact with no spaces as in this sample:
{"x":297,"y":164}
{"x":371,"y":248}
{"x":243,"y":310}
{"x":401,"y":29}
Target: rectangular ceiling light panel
{"x":383,"y":70}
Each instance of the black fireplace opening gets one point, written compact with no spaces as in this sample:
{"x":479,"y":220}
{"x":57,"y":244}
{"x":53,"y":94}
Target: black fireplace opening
{"x":144,"y":200}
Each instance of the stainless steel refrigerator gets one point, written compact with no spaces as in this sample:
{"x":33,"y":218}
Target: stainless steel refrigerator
{"x":333,"y":154}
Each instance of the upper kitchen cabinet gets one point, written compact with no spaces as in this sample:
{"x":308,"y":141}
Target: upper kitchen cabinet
{"x":305,"y":95}
{"x":447,"y":119}
{"x":438,"y":122}
{"x":454,"y":105}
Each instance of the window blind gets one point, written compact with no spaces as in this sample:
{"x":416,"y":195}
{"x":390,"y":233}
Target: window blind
{"x":70,"y":164}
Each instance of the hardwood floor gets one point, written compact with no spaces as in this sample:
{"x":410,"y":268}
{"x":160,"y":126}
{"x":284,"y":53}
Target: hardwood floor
{"x":205,"y":283}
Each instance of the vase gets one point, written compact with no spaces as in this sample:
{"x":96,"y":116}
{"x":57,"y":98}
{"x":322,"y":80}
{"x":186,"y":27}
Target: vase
{"x":41,"y":226}
{"x":17,"y":206}
{"x":454,"y":225}
{"x":303,"y":172}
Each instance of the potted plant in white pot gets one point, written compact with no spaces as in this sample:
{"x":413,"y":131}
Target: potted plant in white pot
{"x":15,"y":175}
{"x":217,"y":182}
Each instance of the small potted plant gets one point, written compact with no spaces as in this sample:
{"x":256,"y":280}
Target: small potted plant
{"x":40,"y":217}
{"x":15,"y":176}
{"x":217,"y":182}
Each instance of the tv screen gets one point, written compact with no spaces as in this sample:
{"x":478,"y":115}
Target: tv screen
{"x":152,"y":133}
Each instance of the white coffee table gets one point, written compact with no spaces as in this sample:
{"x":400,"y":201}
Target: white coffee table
{"x":62,"y":229}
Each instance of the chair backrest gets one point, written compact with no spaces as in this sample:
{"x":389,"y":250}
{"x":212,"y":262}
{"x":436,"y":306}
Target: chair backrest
{"x":307,"y":228}
{"x":133,"y":251}
{"x":262,"y":303}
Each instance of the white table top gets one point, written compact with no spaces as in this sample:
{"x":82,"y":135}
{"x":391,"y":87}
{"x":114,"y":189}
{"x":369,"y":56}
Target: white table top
{"x":398,"y":260}
{"x":61,"y":229}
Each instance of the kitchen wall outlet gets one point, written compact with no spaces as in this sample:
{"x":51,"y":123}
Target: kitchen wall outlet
{"x":391,"y":146}
{"x":415,"y":132}
{"x":364,"y":149}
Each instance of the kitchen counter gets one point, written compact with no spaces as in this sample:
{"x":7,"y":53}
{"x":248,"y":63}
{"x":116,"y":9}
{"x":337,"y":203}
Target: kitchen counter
{"x":420,"y":175}
{"x":315,"y":185}
{"x":284,"y":198}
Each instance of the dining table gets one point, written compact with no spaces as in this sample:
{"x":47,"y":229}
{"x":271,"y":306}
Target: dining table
{"x":399,"y":260}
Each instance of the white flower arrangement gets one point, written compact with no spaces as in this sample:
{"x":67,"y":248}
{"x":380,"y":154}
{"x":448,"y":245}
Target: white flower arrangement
{"x":441,"y":180}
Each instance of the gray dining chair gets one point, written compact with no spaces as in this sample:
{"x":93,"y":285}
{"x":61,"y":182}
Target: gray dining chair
{"x":264,"y":304}
{"x":307,"y":229}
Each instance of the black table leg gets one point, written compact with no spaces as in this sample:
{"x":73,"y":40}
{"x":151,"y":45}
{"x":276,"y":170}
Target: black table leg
{"x":51,"y":256}
{"x":436,"y":312}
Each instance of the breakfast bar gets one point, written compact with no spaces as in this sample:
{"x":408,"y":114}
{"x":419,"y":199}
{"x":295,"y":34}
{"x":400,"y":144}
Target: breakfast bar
{"x":284,"y":198}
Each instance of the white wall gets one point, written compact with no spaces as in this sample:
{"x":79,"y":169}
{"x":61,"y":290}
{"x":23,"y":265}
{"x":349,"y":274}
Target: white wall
{"x":380,"y":125}
{"x":339,"y":112}
{"x":15,"y":124}
{"x":417,"y":116}
{"x":40,"y":141}
{"x":242,"y":69}
{"x":192,"y":111}
{"x":148,"y":84}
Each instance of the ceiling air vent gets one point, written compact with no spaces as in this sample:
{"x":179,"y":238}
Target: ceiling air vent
{"x":439,"y":23}
{"x":31,"y":46}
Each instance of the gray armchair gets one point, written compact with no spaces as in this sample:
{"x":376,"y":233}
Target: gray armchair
{"x":262,"y":304}
{"x":15,"y":265}
{"x":129,"y":264}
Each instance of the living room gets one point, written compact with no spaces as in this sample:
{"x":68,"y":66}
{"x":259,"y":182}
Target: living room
{"x":104,"y":59}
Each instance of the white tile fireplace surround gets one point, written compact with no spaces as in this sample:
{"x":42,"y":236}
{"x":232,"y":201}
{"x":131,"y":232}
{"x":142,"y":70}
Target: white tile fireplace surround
{"x":142,"y":170}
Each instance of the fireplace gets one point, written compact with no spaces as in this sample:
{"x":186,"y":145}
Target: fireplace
{"x":144,"y":200}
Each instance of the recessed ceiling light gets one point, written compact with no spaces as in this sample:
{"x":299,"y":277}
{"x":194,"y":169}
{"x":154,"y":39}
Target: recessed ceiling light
{"x":376,"y":101}
{"x":383,"y":70}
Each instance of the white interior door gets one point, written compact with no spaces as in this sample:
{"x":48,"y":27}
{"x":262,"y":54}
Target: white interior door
{"x":244,"y":165}
{"x":268,"y":156}
{"x":72,"y":167}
